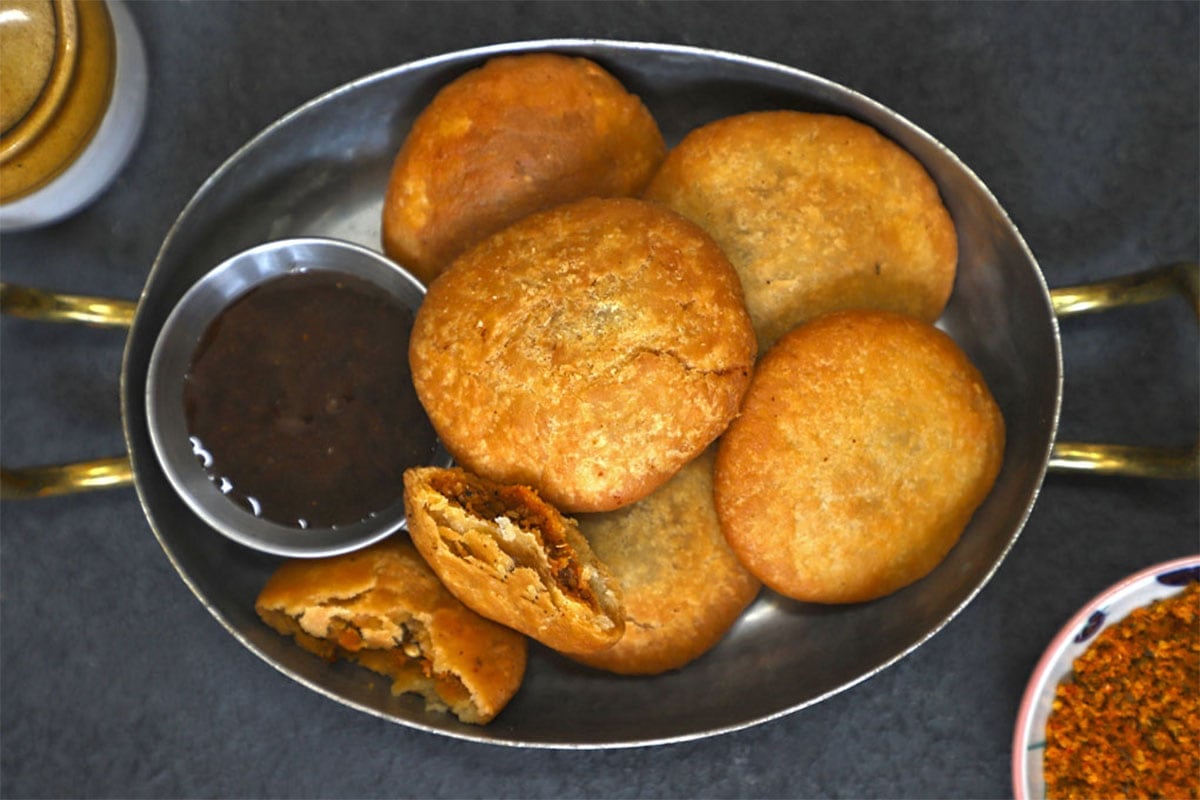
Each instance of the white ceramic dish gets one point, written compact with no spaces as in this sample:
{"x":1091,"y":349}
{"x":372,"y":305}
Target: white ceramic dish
{"x":1107,"y":608}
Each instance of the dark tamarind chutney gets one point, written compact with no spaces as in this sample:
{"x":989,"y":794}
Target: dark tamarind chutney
{"x":300,"y":403}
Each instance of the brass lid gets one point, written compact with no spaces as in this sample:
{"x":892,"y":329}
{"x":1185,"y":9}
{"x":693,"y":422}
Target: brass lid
{"x":29,"y":32}
{"x":59,"y":62}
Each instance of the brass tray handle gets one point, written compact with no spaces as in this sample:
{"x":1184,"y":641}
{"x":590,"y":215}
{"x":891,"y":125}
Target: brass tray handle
{"x":23,"y":301}
{"x":1147,"y":286}
{"x":1074,"y":457}
{"x":104,"y":473}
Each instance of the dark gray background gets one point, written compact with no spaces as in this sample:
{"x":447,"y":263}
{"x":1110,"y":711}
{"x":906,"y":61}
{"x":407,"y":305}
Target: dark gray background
{"x":115,"y":681}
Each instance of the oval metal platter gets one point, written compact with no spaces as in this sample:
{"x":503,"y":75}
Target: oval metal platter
{"x":322,"y":171}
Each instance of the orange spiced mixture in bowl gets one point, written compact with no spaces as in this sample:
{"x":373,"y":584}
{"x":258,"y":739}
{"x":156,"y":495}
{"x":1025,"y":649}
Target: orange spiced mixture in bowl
{"x":1126,"y":721}
{"x":1112,"y":709}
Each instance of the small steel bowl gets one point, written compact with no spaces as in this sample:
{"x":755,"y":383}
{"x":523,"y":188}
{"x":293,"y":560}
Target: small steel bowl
{"x":172,"y":356}
{"x":1107,"y":608}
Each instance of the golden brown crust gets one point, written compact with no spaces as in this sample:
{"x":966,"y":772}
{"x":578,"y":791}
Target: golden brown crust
{"x":513,"y":558}
{"x":520,"y":134}
{"x":866,"y":442}
{"x":683,"y":586}
{"x":589,"y":351}
{"x":817,"y":212}
{"x":383,"y":608}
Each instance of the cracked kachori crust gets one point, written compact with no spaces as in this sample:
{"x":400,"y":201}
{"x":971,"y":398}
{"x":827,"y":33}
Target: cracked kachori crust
{"x":866,"y":442}
{"x":682,"y":585}
{"x":589,"y":351}
{"x":383,"y":608}
{"x":817,"y":212}
{"x":513,"y":558}
{"x":520,"y":134}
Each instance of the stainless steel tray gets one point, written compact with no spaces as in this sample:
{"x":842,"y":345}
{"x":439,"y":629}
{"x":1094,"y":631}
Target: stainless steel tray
{"x":322,"y":170}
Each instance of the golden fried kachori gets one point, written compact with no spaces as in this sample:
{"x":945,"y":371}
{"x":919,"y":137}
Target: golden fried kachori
{"x":520,"y":134}
{"x":683,"y":587}
{"x":817,"y":212}
{"x":866,"y":442}
{"x":589,"y":351}
{"x":513,"y":558}
{"x":383,"y":608}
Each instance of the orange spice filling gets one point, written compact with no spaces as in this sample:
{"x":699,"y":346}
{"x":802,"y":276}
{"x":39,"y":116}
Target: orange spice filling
{"x":529,"y":512}
{"x":345,"y":641}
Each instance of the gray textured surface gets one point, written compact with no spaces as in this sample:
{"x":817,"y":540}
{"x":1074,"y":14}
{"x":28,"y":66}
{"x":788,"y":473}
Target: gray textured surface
{"x":115,"y":682}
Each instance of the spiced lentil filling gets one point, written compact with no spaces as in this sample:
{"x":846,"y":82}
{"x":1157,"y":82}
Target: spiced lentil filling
{"x":406,"y":659}
{"x":526,"y":509}
{"x":1126,"y":722}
